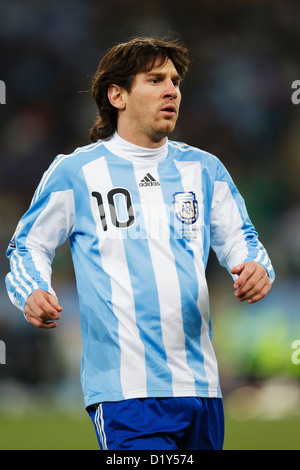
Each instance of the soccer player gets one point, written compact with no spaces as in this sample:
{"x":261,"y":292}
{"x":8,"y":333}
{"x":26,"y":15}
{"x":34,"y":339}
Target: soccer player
{"x":140,"y":213}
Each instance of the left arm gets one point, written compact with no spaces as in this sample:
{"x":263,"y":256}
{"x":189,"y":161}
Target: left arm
{"x":236,"y":243}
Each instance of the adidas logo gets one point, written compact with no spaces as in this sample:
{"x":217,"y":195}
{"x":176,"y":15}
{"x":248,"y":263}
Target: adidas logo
{"x":148,"y":180}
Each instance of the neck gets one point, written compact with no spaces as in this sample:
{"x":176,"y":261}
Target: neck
{"x":142,"y":140}
{"x":129,"y":151}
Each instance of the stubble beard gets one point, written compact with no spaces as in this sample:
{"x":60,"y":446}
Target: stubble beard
{"x":160,"y":132}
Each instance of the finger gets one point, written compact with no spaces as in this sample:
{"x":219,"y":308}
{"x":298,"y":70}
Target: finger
{"x":40,"y":324}
{"x":54,"y":303}
{"x":39,"y":318}
{"x":244,"y":271}
{"x":250,"y":288}
{"x":260,"y":295}
{"x":256,"y":280}
{"x":237,"y":269}
{"x":43,"y":305}
{"x":40,"y":312}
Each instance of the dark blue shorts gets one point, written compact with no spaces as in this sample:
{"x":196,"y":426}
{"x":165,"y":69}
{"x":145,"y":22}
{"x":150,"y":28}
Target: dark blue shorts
{"x":179,"y":423}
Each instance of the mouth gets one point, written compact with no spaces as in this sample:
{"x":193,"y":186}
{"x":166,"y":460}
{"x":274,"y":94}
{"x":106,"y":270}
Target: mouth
{"x":169,"y":110}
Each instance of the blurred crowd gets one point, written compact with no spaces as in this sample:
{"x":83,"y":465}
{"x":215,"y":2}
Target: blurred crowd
{"x":236,"y":105}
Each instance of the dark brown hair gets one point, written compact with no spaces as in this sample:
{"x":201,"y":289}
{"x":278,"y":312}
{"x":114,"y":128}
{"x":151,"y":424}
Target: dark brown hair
{"x":120,"y":65}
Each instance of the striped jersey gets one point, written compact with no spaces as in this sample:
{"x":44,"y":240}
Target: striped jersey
{"x":140,"y":223}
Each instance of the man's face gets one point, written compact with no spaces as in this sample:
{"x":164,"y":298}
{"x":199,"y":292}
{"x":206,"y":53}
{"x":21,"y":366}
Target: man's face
{"x":151,"y":107}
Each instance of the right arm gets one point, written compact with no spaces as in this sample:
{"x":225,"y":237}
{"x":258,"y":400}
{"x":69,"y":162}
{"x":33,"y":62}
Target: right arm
{"x":47,"y":224}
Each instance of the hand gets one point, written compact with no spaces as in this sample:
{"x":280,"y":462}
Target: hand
{"x":253,"y":282}
{"x":42,"y":309}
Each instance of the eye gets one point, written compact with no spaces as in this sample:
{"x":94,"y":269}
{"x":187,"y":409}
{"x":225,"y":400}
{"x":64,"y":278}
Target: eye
{"x":154,"y":80}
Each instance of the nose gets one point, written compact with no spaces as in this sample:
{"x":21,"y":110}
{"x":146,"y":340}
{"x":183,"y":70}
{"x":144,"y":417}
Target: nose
{"x":171,"y":91}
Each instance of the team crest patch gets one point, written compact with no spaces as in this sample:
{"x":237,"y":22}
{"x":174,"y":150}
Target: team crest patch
{"x":12,"y":243}
{"x":186,"y":207}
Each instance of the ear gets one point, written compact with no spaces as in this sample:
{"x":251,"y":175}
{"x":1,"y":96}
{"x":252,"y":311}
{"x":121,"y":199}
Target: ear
{"x":116,"y":96}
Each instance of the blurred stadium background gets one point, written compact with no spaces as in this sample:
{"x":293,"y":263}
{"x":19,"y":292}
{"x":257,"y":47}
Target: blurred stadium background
{"x":236,"y":104}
